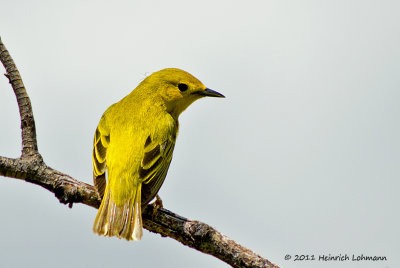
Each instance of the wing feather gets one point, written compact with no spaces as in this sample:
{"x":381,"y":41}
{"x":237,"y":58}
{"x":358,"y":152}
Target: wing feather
{"x":154,"y":167}
{"x":100,"y":144}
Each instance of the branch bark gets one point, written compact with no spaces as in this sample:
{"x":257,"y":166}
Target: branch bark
{"x":31,"y":168}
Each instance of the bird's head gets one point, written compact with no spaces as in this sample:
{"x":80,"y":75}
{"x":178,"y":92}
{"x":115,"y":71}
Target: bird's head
{"x":177,"y":89}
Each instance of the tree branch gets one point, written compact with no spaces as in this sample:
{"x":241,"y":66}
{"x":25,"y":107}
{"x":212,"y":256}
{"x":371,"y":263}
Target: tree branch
{"x":31,"y":168}
{"x":28,"y":129}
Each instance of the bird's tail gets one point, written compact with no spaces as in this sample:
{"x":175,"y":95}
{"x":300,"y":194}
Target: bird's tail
{"x":123,"y":221}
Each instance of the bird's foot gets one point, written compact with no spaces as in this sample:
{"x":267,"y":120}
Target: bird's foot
{"x":157,"y":204}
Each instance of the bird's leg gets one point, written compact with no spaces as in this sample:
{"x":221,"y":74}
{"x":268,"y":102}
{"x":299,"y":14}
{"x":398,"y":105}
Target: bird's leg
{"x":157,"y":204}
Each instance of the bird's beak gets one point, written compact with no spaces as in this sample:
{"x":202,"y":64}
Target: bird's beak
{"x":210,"y":93}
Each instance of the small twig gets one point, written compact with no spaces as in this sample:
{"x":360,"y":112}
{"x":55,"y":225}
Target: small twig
{"x":29,"y":143}
{"x":31,"y":168}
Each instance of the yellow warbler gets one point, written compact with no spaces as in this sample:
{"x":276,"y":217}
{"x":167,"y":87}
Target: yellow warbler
{"x":134,"y":142}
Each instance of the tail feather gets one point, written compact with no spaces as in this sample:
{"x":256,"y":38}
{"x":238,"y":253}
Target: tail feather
{"x":137,"y":231}
{"x":123,"y":221}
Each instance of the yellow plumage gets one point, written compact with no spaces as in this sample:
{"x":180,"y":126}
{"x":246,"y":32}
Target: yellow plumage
{"x":134,"y":142}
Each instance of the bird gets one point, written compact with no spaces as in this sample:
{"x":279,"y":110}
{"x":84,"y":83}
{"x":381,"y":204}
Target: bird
{"x":133,"y":146}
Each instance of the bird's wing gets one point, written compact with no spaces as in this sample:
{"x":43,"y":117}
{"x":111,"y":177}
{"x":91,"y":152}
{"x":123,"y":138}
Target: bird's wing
{"x":100,"y":144}
{"x":154,"y":166}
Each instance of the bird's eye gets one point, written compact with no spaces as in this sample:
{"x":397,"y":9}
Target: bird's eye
{"x":182,"y":87}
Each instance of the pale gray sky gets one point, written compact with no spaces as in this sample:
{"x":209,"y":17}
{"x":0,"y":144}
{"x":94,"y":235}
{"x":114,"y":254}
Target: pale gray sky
{"x":302,"y":157}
